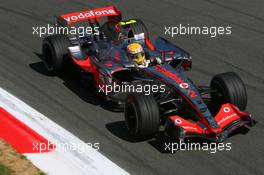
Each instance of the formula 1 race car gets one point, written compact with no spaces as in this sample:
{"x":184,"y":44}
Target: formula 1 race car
{"x":175,"y":101}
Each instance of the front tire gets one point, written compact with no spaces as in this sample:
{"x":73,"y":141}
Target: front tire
{"x":142,"y":116}
{"x":230,"y":89}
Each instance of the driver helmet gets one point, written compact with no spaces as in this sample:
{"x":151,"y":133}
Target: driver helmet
{"x":136,"y":53}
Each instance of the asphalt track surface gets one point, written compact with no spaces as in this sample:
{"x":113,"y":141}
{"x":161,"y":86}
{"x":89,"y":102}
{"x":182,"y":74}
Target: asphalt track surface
{"x":64,"y":101}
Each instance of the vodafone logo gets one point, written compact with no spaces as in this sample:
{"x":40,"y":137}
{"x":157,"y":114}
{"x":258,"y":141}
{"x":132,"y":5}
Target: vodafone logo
{"x":226,"y":109}
{"x":189,"y":127}
{"x":227,"y":118}
{"x":184,"y":85}
{"x":74,"y":17}
{"x":178,"y":121}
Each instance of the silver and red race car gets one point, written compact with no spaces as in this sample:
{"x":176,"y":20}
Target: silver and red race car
{"x":184,"y":108}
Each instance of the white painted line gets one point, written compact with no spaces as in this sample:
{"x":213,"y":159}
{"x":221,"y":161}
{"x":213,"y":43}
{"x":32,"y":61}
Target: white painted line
{"x":58,"y":162}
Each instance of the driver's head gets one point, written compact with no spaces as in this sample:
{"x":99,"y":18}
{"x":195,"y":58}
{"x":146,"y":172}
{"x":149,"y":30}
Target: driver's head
{"x":136,"y":53}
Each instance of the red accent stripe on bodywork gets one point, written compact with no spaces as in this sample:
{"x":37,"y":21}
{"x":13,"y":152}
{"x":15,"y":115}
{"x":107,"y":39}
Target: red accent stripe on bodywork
{"x":149,"y":44}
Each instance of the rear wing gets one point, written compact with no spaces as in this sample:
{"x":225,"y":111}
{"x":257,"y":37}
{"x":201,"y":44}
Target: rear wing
{"x":70,"y":18}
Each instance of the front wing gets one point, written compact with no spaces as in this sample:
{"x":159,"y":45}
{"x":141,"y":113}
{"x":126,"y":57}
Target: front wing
{"x":229,"y":118}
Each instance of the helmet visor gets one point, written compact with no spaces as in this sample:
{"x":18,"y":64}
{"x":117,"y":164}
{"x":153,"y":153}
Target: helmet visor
{"x":138,"y":57}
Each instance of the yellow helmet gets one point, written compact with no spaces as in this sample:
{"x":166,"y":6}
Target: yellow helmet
{"x":136,"y":53}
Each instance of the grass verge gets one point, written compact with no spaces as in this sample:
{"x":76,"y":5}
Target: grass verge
{"x":13,"y":163}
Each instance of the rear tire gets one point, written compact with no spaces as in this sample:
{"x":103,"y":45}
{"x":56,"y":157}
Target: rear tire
{"x":142,"y":116}
{"x":139,"y":27}
{"x":230,"y":89}
{"x":55,"y":50}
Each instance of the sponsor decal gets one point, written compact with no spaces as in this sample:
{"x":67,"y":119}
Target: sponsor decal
{"x":227,"y":118}
{"x":177,"y":79}
{"x":184,"y":85}
{"x":122,"y":23}
{"x":97,"y":13}
{"x":189,"y":128}
{"x":108,"y":64}
{"x":178,"y":121}
{"x":226,"y":109}
{"x":117,"y":56}
{"x":192,"y":93}
{"x":170,"y":74}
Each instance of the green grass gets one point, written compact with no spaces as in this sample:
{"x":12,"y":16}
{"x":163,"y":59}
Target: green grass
{"x":4,"y":170}
{"x":22,"y":156}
